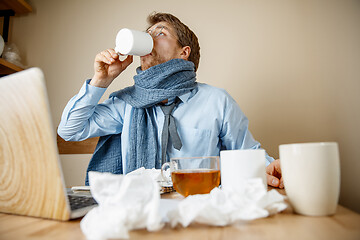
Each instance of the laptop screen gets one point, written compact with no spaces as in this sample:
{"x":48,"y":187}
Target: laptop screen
{"x":30,"y":173}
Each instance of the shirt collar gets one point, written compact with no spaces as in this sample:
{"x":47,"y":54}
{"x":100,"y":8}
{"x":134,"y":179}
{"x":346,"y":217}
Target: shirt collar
{"x":187,"y":96}
{"x":184,"y":98}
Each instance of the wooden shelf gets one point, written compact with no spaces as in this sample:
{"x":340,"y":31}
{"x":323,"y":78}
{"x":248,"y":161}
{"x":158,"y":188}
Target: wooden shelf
{"x":8,"y":68}
{"x":19,"y":6}
{"x":9,"y":8}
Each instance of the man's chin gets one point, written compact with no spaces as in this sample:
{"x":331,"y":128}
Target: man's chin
{"x":149,"y":61}
{"x":145,"y":66}
{"x":144,"y":63}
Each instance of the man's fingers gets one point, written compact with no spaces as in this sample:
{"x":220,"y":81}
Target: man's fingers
{"x":128,"y":60}
{"x":281,"y":183}
{"x":277,"y":165}
{"x":272,"y":181}
{"x":270,"y":169}
{"x":108,"y":56}
{"x":101,"y":58}
{"x":274,"y":169}
{"x":113,"y":53}
{"x":273,"y":174}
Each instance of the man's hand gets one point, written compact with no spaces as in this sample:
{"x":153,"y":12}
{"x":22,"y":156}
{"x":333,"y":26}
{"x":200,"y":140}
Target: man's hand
{"x":273,"y":174}
{"x":107,"y":67}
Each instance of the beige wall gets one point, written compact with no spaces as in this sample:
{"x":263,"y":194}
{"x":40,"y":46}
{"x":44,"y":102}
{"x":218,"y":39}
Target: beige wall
{"x":293,"y":66}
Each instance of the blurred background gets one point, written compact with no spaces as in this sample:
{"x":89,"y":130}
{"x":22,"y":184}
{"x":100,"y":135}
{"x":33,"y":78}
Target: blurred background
{"x":293,"y":66}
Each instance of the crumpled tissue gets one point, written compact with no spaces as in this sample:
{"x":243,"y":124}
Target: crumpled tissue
{"x":225,"y":207}
{"x":125,"y":202}
{"x":152,"y":173}
{"x":132,"y":201}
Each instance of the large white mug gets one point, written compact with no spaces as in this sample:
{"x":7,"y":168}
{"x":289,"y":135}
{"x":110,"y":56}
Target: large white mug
{"x":133,"y":42}
{"x":237,"y":166}
{"x":311,"y":174}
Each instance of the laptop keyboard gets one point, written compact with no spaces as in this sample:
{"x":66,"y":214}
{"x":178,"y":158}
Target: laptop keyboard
{"x":77,"y":202}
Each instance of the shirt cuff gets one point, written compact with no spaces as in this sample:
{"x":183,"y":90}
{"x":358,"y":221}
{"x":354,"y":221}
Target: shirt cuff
{"x":91,"y":94}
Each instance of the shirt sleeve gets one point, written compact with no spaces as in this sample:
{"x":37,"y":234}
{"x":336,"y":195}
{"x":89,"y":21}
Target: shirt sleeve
{"x":84,"y":118}
{"x":235,"y":133}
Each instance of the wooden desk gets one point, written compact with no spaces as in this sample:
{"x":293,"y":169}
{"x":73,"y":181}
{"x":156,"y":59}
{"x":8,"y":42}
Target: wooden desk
{"x":345,"y":224}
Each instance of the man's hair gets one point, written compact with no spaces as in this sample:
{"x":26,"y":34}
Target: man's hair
{"x":185,"y":36}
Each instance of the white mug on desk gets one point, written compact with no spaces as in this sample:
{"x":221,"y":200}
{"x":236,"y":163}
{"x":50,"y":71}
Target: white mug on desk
{"x":311,"y":173}
{"x":238,"y":166}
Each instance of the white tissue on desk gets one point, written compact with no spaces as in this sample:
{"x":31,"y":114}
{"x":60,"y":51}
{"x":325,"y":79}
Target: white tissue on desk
{"x":125,"y":203}
{"x":225,"y":207}
{"x":133,"y":202}
{"x":152,"y":173}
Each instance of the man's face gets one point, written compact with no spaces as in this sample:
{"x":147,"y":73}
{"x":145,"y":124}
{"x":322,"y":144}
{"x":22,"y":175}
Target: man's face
{"x":166,"y":47}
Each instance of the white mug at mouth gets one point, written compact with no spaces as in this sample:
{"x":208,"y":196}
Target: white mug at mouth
{"x":133,"y":42}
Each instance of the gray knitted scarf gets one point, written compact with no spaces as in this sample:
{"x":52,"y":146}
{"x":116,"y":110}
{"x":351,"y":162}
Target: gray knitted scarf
{"x":164,"y":81}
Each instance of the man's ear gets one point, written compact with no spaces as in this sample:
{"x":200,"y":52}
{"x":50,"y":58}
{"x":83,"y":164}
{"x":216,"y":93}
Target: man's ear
{"x":185,"y":53}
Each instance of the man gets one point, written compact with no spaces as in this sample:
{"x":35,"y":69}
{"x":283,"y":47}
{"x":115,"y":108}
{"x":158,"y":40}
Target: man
{"x":165,"y":114}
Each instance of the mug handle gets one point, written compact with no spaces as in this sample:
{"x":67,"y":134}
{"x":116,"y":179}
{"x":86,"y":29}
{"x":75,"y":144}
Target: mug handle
{"x":164,"y":167}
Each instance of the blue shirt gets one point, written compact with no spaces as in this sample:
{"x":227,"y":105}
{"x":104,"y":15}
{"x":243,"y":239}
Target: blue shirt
{"x":208,"y":120}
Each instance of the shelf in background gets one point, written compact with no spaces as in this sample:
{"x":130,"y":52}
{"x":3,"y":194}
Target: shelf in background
{"x":8,"y":68}
{"x":18,"y":6}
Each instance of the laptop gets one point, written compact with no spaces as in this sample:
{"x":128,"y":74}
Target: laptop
{"x":31,"y":179}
